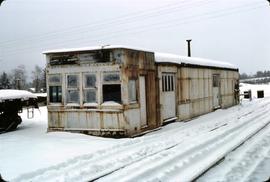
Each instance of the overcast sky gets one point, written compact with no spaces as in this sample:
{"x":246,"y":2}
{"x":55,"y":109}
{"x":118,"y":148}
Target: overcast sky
{"x":236,"y":31}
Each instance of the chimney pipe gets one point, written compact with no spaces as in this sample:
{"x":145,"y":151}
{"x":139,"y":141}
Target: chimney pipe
{"x":189,"y":48}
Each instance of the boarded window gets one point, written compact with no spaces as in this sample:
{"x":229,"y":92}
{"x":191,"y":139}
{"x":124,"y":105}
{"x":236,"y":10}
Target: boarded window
{"x":73,"y":94}
{"x":63,"y":59}
{"x":55,"y":94}
{"x":215,"y":80}
{"x":132,"y":91}
{"x":112,"y":93}
{"x":89,"y":88}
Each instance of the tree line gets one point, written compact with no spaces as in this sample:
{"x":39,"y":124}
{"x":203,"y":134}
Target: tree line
{"x":17,"y":79}
{"x":258,"y":74}
{"x":259,"y":77}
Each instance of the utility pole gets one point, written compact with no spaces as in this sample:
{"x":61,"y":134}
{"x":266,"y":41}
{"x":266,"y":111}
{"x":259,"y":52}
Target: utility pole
{"x":189,"y":48}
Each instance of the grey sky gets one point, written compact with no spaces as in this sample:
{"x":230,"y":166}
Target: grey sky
{"x":236,"y":31}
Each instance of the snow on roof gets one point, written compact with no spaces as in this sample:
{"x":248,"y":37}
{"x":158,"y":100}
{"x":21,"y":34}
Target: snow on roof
{"x":176,"y":59}
{"x":159,"y":57}
{"x":94,"y":48}
{"x":8,"y":94}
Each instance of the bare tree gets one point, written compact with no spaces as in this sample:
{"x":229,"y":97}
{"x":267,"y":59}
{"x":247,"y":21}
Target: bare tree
{"x":19,"y":77}
{"x":38,"y":77}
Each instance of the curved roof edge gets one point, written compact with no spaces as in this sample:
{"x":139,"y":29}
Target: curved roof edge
{"x":184,"y":60}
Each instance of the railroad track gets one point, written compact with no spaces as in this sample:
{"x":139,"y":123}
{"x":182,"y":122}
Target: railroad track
{"x":146,"y":157}
{"x":189,"y":164}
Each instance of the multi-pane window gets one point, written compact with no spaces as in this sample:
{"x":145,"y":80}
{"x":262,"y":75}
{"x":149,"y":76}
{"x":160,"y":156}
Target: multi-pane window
{"x":215,"y":80}
{"x":168,"y":83}
{"x":73,"y":95}
{"x":55,"y":88}
{"x":111,"y":89}
{"x":89,"y":88}
{"x":132,"y":91}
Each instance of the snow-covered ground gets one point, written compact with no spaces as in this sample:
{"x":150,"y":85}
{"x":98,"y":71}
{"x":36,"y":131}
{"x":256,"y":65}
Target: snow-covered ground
{"x":180,"y":151}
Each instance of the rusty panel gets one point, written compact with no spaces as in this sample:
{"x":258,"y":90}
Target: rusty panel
{"x":55,"y":120}
{"x":142,"y":63}
{"x":185,"y":85}
{"x":151,"y":98}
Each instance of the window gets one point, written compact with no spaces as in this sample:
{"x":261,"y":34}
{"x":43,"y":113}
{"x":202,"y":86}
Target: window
{"x":132,"y":91}
{"x":55,"y":88}
{"x":55,"y":93}
{"x":72,"y":81}
{"x":112,"y":93}
{"x":215,"y":80}
{"x":168,"y":82}
{"x":111,"y":77}
{"x":54,"y":79}
{"x":90,"y":88}
{"x":73,"y":95}
{"x":111,"y":88}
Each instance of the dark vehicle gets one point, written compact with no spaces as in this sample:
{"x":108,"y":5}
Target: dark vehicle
{"x":11,"y":103}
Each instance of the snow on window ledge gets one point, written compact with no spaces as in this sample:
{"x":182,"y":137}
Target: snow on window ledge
{"x":73,"y":105}
{"x":110,"y":103}
{"x":92,"y":104}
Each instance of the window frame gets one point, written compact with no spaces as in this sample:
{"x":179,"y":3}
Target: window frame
{"x":113,"y":82}
{"x":216,"y":80}
{"x":89,"y":88}
{"x":58,"y":85}
{"x":73,"y":88}
{"x":168,"y":82}
{"x":132,"y":100}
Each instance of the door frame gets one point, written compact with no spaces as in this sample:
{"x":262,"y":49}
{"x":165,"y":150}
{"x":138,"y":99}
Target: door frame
{"x":168,"y":84}
{"x":216,"y":82}
{"x":143,"y":100}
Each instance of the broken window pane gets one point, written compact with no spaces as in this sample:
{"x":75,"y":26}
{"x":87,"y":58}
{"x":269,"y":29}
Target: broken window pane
{"x":132,"y":90}
{"x":72,"y":81}
{"x":90,"y":81}
{"x":55,"y":94}
{"x":73,"y":96}
{"x":112,"y":92}
{"x":89,"y":95}
{"x":54,"y":79}
{"x":111,"y":77}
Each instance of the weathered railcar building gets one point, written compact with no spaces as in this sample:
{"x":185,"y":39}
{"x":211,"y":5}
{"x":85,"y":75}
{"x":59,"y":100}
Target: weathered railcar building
{"x":123,"y":91}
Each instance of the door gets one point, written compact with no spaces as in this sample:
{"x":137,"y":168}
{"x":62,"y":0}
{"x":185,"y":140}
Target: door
{"x":142,"y":101}
{"x":216,"y":91}
{"x":168,"y":96}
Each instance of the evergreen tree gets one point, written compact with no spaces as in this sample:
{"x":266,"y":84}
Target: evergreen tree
{"x":4,"y":81}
